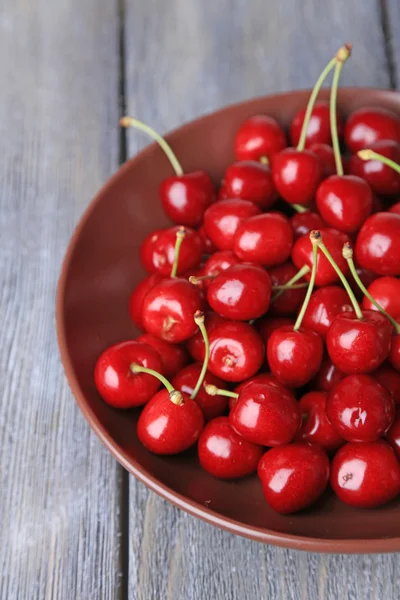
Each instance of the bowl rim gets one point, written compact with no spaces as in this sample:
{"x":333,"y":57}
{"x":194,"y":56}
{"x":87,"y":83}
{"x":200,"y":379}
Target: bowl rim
{"x":269,"y":536}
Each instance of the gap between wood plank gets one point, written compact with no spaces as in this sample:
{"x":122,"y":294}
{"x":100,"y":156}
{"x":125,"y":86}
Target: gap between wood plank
{"x":390,"y":59}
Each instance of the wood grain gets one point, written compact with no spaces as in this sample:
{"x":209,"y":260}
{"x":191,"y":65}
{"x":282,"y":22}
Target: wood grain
{"x":391,"y":21}
{"x":59,"y":141}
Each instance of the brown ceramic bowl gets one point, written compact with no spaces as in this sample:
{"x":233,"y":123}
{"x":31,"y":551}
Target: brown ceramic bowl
{"x":100,"y":270}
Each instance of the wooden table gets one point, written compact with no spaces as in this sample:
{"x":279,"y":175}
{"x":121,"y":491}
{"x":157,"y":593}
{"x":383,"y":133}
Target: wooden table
{"x":73,"y":525}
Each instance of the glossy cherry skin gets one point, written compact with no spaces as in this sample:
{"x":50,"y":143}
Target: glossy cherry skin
{"x":394,"y":354}
{"x":168,"y":310}
{"x":303,"y":223}
{"x":116,"y":383}
{"x":185,"y":198}
{"x":367,"y":125}
{"x":327,"y":158}
{"x":327,"y":377}
{"x":383,"y":180}
{"x":365,"y":475}
{"x":344,"y":202}
{"x":138,"y":295}
{"x":195,"y":344}
{"x":319,"y":129}
{"x":267,"y":325}
{"x":324,"y":305}
{"x":147,"y":250}
{"x":218,"y":262}
{"x":165,"y":428}
{"x":294,"y":357}
{"x":386,"y":291}
{"x":262,"y":378}
{"x":259,"y":136}
{"x":315,"y":426}
{"x":265,"y":239}
{"x":186,"y":380}
{"x":236,"y":351}
{"x":266,"y":415}
{"x":360,"y":408}
{"x":302,"y":254}
{"x":222,"y":219}
{"x":209,"y":246}
{"x":158,"y":256}
{"x":291,"y":300}
{"x":293,"y":477}
{"x":240,"y":293}
{"x":378,"y":244}
{"x":173,"y":356}
{"x":357,"y":346}
{"x":224,"y":453}
{"x":390,"y":379}
{"x":297,"y":175}
{"x":250,"y":180}
{"x":393,"y":436}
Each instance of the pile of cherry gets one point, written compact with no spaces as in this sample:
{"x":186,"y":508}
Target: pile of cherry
{"x":251,"y":310}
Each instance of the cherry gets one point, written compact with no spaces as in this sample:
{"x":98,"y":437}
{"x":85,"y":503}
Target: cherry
{"x":222,"y":193}
{"x":209,"y":246}
{"x":395,"y":208}
{"x":378,"y":244}
{"x":366,"y":277}
{"x":138,"y":295}
{"x":394,"y":354}
{"x":236,"y":351}
{"x":264,"y":239}
{"x":318,"y":130}
{"x":186,"y":380}
{"x":225,"y":454}
{"x":327,"y":157}
{"x":393,"y":436}
{"x":240,"y":293}
{"x":259,"y":137}
{"x":195,"y":344}
{"x":386,"y":292}
{"x":325,"y":304}
{"x":365,"y":475}
{"x":115,"y":381}
{"x":304,"y":222}
{"x":327,"y":377}
{"x":173,"y":357}
{"x":326,"y":274}
{"x":360,"y":408}
{"x":293,"y":477}
{"x":222,"y":219}
{"x":367,"y":125}
{"x":162,"y":252}
{"x":390,"y":379}
{"x":250,"y":180}
{"x":383,"y":180}
{"x":218,"y":262}
{"x":315,"y":427}
{"x":267,"y":325}
{"x":292,"y":298}
{"x":147,"y":250}
{"x":261,"y":378}
{"x":296,"y":175}
{"x":344,"y":202}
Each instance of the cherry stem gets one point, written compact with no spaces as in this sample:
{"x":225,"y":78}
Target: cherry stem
{"x":196,"y":280}
{"x":314,"y":235}
{"x":341,"y":57}
{"x":264,"y":160}
{"x":348,"y":255}
{"x":180,"y":236}
{"x":299,"y":208}
{"x":175,"y":396}
{"x":212,"y":390}
{"x":368,"y":154}
{"x":303,"y":271}
{"x":295,"y":286}
{"x":199,"y":320}
{"x":131,"y":122}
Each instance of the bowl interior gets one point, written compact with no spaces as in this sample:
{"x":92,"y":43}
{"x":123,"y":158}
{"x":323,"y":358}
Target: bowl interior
{"x":101,"y":269}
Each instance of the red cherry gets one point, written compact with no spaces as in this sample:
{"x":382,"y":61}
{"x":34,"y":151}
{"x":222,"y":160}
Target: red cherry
{"x":168,"y":310}
{"x":327,"y":377}
{"x":394,"y":354}
{"x":367,"y":125}
{"x":268,"y":324}
{"x":378,"y":244}
{"x":293,"y":477}
{"x":294,"y":356}
{"x":138,"y":295}
{"x":393,"y":436}
{"x":160,"y":254}
{"x":222,"y":193}
{"x":315,"y":426}
{"x":218,"y":262}
{"x":185,"y":198}
{"x":168,"y":428}
{"x":173,"y":357}
{"x":303,"y":223}
{"x":327,"y":157}
{"x":360,"y":408}
{"x":382,"y":179}
{"x":261,"y":378}
{"x":258,"y":137}
{"x":185,"y":381}
{"x":195,"y":344}
{"x":297,"y":175}
{"x":225,"y":454}
{"x":240,"y":293}
{"x":319,"y":129}
{"x":386,"y":291}
{"x":291,"y":300}
{"x":325,"y":304}
{"x":250,"y":180}
{"x":209,"y":246}
{"x":390,"y":379}
{"x":147,"y":250}
{"x":236,"y":351}
{"x":326,"y":275}
{"x":222,"y":219}
{"x":264,"y":239}
{"x":344,"y":202}
{"x":266,"y":415}
{"x":115,"y":381}
{"x":367,"y":277}
{"x":359,"y":346}
{"x":365,"y":475}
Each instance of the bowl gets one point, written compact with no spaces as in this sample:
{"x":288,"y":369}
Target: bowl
{"x":101,"y":268}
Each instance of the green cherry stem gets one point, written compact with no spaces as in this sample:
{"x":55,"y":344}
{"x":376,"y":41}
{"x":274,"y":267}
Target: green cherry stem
{"x":180,"y":236}
{"x":131,"y":122}
{"x":295,"y":286}
{"x":314,"y":237}
{"x":176,"y":397}
{"x":342,"y":55}
{"x":368,"y":154}
{"x":299,"y":208}
{"x":212,"y":390}
{"x":199,"y":320}
{"x":303,"y":271}
{"x":348,"y":255}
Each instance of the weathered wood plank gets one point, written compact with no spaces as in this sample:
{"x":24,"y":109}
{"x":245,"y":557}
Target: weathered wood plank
{"x":391,"y":14}
{"x":59,"y":140}
{"x":184,"y":58}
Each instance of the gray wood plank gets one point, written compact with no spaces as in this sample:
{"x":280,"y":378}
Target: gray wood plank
{"x":59,"y":141}
{"x":185,"y":58}
{"x":391,"y":16}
